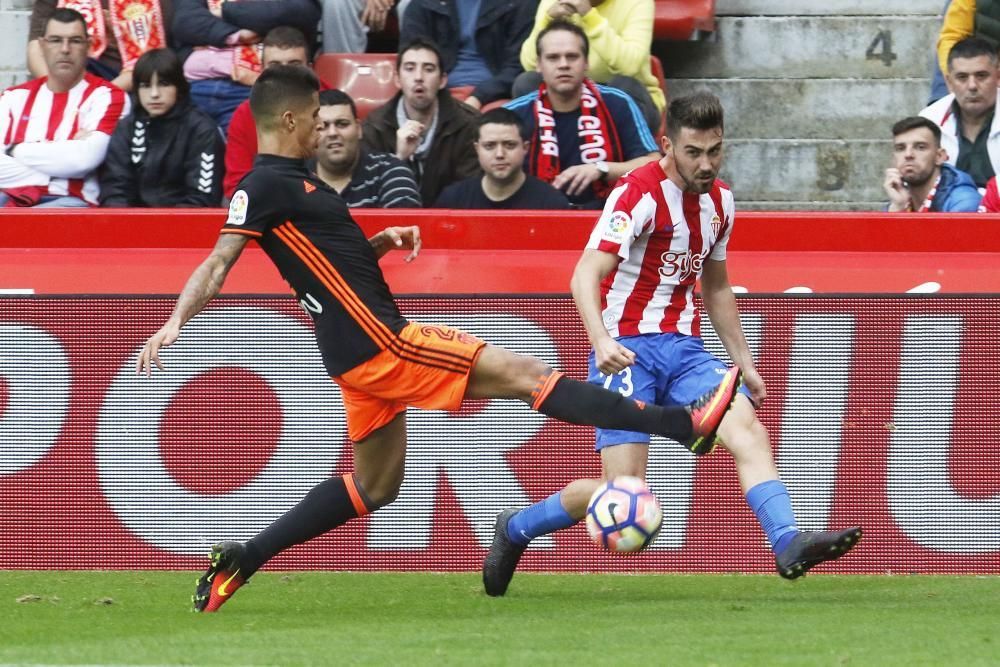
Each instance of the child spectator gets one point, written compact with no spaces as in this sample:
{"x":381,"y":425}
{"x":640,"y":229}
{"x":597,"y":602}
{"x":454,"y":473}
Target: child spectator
{"x":168,"y":153}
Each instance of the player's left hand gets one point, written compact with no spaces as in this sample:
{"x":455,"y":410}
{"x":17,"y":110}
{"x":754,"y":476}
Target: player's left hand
{"x":150,"y":354}
{"x":401,"y":238}
{"x":574,"y":180}
{"x":755,"y":383}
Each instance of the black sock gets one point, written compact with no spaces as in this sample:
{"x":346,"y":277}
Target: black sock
{"x":329,"y":504}
{"x":582,"y":403}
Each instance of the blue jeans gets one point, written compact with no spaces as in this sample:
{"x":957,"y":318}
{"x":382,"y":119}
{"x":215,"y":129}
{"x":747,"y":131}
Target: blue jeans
{"x":53,"y":201}
{"x":938,"y":86}
{"x":219,"y":99}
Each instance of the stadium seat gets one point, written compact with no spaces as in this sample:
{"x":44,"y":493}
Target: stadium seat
{"x":683,"y":19}
{"x":369,"y":78}
{"x":656,"y":67}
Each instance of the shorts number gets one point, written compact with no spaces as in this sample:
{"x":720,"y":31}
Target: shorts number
{"x":626,"y":375}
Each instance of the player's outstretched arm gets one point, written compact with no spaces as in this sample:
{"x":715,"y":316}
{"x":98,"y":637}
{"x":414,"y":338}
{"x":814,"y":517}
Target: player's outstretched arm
{"x":204,"y":283}
{"x":397,"y":238}
{"x":610,"y":356}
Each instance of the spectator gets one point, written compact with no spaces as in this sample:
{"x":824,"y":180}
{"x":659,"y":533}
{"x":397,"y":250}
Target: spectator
{"x":620,"y":33}
{"x":364,"y":179}
{"x":168,"y":153}
{"x":939,"y":87}
{"x":501,"y":148}
{"x":963,"y":19}
{"x":222,"y":73}
{"x":584,"y":136}
{"x":48,"y":160}
{"x":347,"y":23}
{"x":282,"y":46}
{"x":919,"y":179}
{"x":112,"y":33}
{"x":480,"y":41}
{"x":422,"y":124}
{"x":970,"y":129}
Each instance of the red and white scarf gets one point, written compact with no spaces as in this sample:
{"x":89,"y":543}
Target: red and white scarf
{"x":599,"y":140}
{"x":929,"y":199}
{"x":137,"y":24}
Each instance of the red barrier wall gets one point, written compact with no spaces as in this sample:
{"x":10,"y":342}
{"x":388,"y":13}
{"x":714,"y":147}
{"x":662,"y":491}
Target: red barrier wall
{"x":153,"y":251}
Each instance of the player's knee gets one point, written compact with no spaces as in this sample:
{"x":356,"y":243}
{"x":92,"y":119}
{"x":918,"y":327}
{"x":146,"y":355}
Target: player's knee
{"x":384,"y":493}
{"x":747,"y":441}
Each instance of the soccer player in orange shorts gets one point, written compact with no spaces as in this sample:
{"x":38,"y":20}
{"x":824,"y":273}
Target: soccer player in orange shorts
{"x":382,"y":362}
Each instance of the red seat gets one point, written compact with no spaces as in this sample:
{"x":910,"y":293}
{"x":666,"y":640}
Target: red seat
{"x":656,"y":67}
{"x":369,"y":78}
{"x":683,"y":19}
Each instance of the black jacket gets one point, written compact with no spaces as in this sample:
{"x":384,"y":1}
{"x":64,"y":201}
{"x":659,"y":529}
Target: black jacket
{"x":501,"y":28}
{"x":452,"y":156}
{"x":195,"y":26}
{"x":175,"y":160}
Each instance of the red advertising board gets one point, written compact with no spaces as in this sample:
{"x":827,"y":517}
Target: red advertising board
{"x":882,"y":411}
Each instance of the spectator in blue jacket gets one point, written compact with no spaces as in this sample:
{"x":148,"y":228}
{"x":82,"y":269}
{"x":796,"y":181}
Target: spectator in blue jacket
{"x":920,"y":180}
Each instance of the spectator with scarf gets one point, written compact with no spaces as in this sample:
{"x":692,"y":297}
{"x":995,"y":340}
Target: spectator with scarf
{"x":920,"y":180}
{"x":168,"y":153}
{"x":584,"y":136}
{"x":119,"y":33}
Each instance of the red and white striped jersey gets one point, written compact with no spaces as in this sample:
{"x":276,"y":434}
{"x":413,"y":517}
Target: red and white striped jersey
{"x":663,"y":236}
{"x":63,"y":137}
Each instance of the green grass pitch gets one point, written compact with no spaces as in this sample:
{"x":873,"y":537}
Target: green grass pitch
{"x":325,"y":618}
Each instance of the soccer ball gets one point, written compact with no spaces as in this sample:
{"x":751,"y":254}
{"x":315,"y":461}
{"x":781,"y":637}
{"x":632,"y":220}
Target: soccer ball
{"x":623,"y":515}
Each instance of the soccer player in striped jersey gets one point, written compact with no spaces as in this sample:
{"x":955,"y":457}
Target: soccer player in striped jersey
{"x":382,"y":362}
{"x":665,"y":225}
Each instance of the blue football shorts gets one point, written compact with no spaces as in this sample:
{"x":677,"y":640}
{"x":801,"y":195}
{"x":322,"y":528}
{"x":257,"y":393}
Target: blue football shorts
{"x":669,"y":369}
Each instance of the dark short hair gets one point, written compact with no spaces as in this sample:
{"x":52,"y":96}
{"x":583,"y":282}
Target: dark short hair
{"x":972,"y":47}
{"x":286,"y":37}
{"x":419,"y":44}
{"x":334,"y":98}
{"x":66,"y":15}
{"x":501,"y":116}
{"x":278,"y":88}
{"x":565,"y":26}
{"x":167,"y":66}
{"x":915,"y":122}
{"x":698,"y":111}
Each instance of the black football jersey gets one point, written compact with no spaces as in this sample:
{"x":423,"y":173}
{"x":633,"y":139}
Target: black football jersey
{"x":306,"y":229}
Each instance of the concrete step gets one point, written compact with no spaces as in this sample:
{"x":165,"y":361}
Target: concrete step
{"x":808,"y":47}
{"x":827,"y":8}
{"x":792,"y":170}
{"x":811,"y":108}
{"x":14,"y":28}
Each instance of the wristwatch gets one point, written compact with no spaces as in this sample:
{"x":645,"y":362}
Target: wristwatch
{"x":602,"y":169}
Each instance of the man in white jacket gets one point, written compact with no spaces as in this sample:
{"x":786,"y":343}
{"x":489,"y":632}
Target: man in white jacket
{"x":970,"y":124}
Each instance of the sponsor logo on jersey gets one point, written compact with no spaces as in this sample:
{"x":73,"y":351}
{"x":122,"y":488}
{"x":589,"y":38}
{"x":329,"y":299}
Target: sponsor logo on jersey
{"x":617,"y":226}
{"x":238,"y":208}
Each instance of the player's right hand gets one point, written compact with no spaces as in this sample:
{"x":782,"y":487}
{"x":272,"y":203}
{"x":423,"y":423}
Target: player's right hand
{"x":150,"y":354}
{"x":612,"y":357}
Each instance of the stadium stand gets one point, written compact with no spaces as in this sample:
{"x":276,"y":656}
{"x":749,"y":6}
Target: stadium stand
{"x":369,"y":78}
{"x":683,"y":19}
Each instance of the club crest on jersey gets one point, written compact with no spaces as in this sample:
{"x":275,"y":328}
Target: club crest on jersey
{"x":617,"y":226}
{"x":716,"y":224}
{"x":238,"y":208}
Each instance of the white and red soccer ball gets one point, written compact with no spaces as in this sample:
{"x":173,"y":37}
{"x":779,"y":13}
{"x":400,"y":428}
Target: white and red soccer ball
{"x":623,"y":515}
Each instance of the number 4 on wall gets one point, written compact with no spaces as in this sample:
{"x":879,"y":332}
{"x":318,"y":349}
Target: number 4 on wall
{"x":881,"y":48}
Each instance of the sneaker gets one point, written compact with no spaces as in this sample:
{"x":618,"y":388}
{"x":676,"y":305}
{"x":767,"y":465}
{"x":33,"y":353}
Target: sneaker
{"x":502,"y":559}
{"x":807,"y":550}
{"x":221,"y":579}
{"x":707,"y":412}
